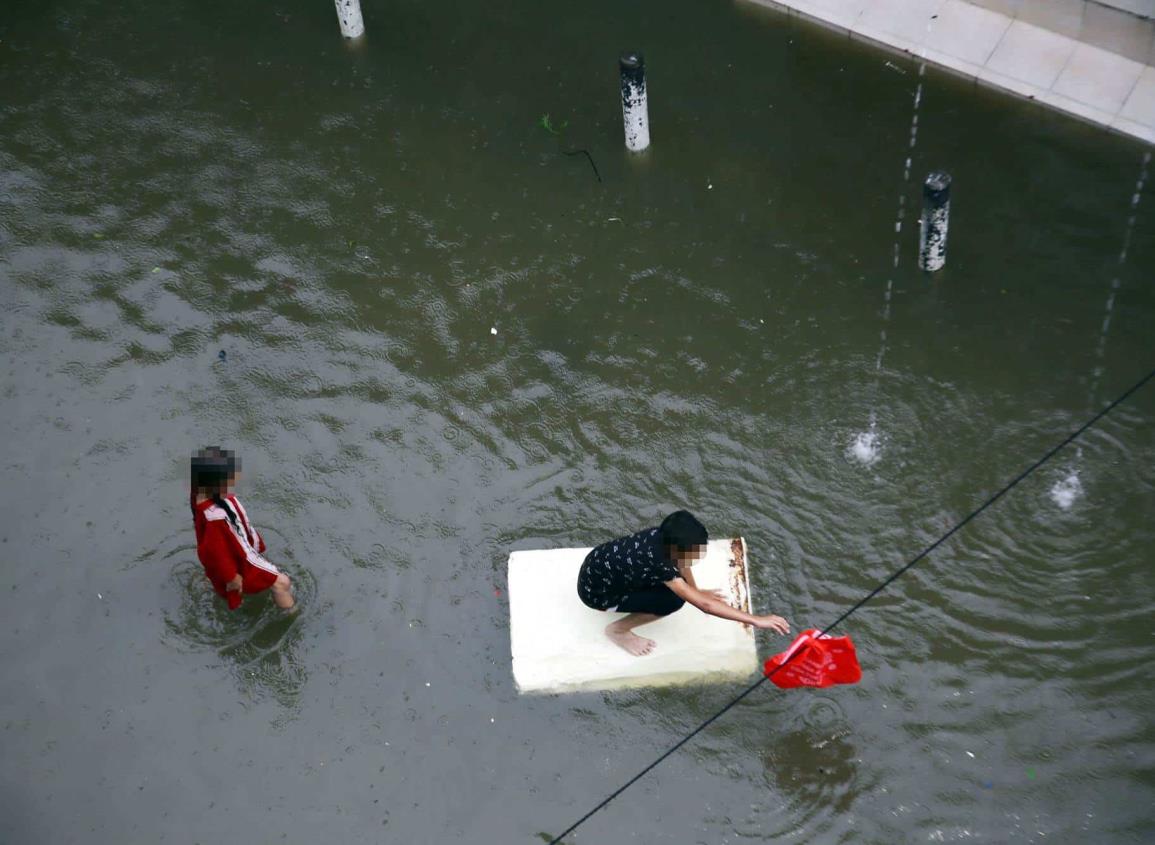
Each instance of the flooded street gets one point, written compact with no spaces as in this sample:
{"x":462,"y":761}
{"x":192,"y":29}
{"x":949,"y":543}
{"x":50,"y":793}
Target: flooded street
{"x":433,"y":339}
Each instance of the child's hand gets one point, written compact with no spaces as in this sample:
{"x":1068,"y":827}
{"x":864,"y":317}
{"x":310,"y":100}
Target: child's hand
{"x":773,"y":623}
{"x":235,"y":585}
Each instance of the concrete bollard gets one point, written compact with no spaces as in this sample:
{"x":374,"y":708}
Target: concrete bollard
{"x":635,"y":111}
{"x":935,"y":217}
{"x":349,"y":16}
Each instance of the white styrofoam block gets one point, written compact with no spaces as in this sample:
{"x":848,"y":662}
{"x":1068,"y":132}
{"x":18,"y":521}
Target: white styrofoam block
{"x":558,"y":643}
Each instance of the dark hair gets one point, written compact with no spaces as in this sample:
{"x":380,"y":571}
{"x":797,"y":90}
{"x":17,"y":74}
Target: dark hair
{"x":212,"y":470}
{"x":682,"y":530}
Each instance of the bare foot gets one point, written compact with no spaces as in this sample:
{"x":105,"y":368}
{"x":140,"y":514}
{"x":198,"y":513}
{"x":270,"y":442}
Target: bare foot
{"x":631,"y":642}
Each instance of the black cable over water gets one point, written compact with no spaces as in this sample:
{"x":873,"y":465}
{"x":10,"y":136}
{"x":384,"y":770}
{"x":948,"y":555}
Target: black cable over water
{"x":1006,"y":488}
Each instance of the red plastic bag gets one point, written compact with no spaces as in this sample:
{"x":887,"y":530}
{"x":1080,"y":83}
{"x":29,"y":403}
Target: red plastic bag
{"x":818,"y":661}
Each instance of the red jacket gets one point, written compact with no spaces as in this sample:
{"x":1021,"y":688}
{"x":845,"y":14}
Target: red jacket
{"x":226,"y":551}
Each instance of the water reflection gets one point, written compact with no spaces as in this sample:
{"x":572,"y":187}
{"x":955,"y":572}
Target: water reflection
{"x":814,"y":766}
{"x":258,"y":642}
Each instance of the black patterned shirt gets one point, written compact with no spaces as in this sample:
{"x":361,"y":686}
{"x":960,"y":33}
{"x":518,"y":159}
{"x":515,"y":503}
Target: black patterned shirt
{"x":615,"y":569}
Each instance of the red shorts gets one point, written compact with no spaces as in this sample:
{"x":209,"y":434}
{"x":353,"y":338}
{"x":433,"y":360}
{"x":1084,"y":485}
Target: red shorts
{"x":253,"y":580}
{"x":256,"y":579}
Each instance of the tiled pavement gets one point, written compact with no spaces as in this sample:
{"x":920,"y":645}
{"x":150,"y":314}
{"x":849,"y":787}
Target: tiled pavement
{"x":1003,"y":52}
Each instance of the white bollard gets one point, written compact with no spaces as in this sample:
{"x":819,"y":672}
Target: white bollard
{"x":935,"y":217}
{"x":349,"y":16}
{"x":635,"y":111}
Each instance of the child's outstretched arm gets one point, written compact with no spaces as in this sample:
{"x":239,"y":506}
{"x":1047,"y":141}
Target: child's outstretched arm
{"x":714,"y":606}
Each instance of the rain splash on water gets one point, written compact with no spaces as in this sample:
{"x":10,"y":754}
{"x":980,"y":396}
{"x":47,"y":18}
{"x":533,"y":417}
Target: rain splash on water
{"x":866,"y":447}
{"x":1068,"y":489}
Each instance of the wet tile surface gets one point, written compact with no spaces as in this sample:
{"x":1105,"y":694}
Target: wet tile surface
{"x":1098,"y":78}
{"x":1031,"y":54}
{"x":978,"y":42}
{"x":967,"y":32}
{"x":1140,"y":104}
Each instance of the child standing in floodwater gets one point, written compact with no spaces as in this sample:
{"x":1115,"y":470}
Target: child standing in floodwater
{"x":647,"y":576}
{"x":229,"y":547}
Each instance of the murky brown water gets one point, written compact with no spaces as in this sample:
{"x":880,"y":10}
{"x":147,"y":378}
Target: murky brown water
{"x":699,"y":330}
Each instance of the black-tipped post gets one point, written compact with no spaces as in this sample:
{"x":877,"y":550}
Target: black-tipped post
{"x":635,"y":109}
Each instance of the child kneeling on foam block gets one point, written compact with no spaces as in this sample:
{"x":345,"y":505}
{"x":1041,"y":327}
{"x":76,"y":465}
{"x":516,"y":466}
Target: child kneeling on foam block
{"x":647,"y":576}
